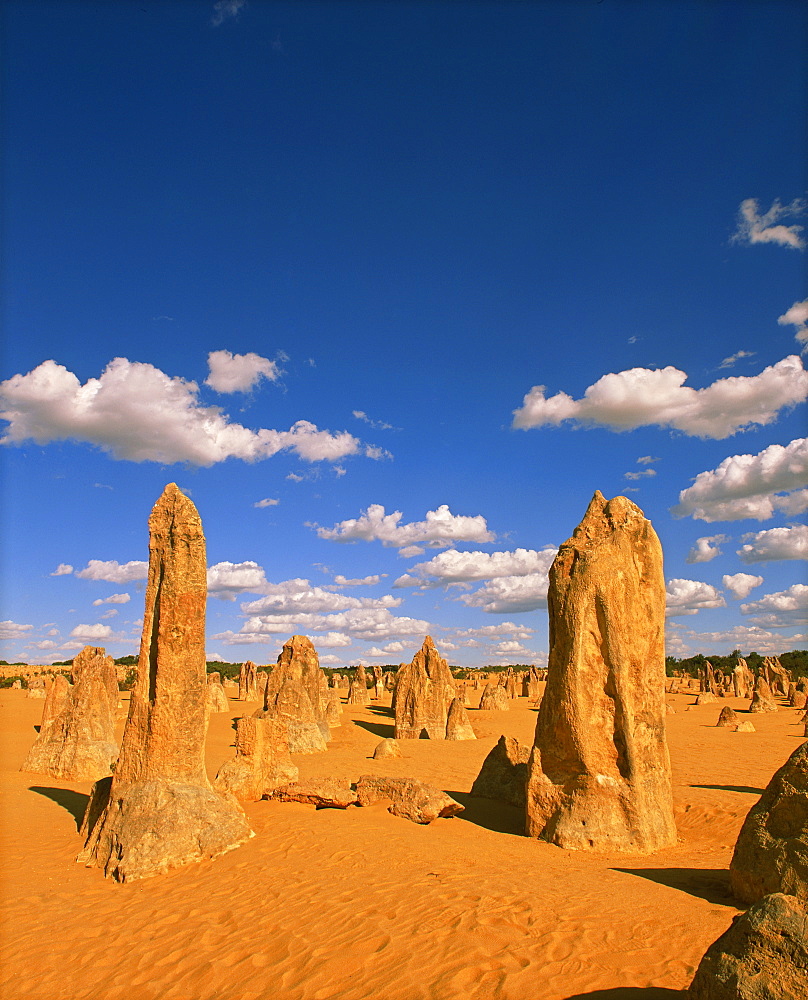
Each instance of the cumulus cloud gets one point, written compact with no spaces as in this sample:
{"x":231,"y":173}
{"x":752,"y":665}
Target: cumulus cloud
{"x":767,"y":228}
{"x":746,"y":486}
{"x":744,"y":637}
{"x":688,"y":597}
{"x":647,"y":459}
{"x":365,"y":581}
{"x":776,"y":544}
{"x":797,"y":316}
{"x":371,"y":624}
{"x":641,"y":474}
{"x":642,"y":397}
{"x":138,"y":413}
{"x":455,"y":567}
{"x":378,"y":425}
{"x":740,"y":585}
{"x":90,"y":633}
{"x":223,"y":9}
{"x":706,"y":548}
{"x":112,"y":571}
{"x":268,"y":502}
{"x":441,"y":528}
{"x":509,"y":595}
{"x":227,"y":579}
{"x":63,"y":569}
{"x":239,"y":372}
{"x":113,"y":599}
{"x":300,"y":596}
{"x":781,"y":610}
{"x":11,"y":630}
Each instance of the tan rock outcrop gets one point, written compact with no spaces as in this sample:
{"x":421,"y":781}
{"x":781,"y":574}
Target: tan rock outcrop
{"x":771,"y":853}
{"x":504,"y":773}
{"x":358,"y":693}
{"x":215,"y":694}
{"x":262,"y":762}
{"x":77,"y":735}
{"x":36,"y":688}
{"x":458,"y":726}
{"x":387,"y":748}
{"x":495,"y":698}
{"x":248,"y":681}
{"x":297,"y":692}
{"x":745,"y":727}
{"x":728,"y":718}
{"x":743,"y":680}
{"x":599,"y":773}
{"x":324,"y":793}
{"x":762,"y":956}
{"x":159,"y":811}
{"x":413,"y":800}
{"x":424,"y":691}
{"x":762,"y":700}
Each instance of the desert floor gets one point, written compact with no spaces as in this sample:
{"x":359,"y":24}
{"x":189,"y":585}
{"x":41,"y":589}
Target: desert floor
{"x":360,"y":904}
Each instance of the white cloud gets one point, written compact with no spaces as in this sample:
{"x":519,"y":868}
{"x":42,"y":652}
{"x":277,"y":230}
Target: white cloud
{"x":509,"y":595}
{"x":776,"y":544}
{"x":298,"y":596}
{"x":90,"y":633}
{"x":440,"y":529}
{"x":136,"y":412}
{"x":487,"y":633}
{"x":113,"y":599}
{"x":642,"y":474}
{"x":365,"y":581}
{"x":706,"y":548}
{"x":369,"y":624}
{"x":239,"y":372}
{"x":63,"y":569}
{"x":646,"y":459}
{"x":112,"y":571}
{"x":378,"y":425}
{"x":642,"y":397}
{"x":333,"y":640}
{"x":781,"y":610}
{"x":744,"y":637}
{"x":43,"y":644}
{"x":390,"y":649}
{"x":797,"y":316}
{"x":376,"y":453}
{"x":756,"y":228}
{"x":746,"y":486}
{"x":223,"y":9}
{"x":11,"y":630}
{"x":268,"y":502}
{"x":227,"y":579}
{"x":730,"y":361}
{"x":687,"y":597}
{"x":465,"y":567}
{"x":740,"y":585}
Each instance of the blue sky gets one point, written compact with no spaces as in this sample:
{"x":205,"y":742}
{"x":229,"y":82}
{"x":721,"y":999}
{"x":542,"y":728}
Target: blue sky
{"x":389,"y":289}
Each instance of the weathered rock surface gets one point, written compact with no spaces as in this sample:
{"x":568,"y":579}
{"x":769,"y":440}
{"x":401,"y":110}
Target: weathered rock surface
{"x":262,"y":762}
{"x":728,"y":719}
{"x":599,"y":774}
{"x":248,"y":681}
{"x":159,"y":811}
{"x":771,"y":853}
{"x":216,"y":695}
{"x":387,"y":748}
{"x":458,"y":726}
{"x":762,"y":956}
{"x":325,"y":793}
{"x":504,"y":773}
{"x":77,"y":735}
{"x":297,"y":693}
{"x":410,"y":799}
{"x":36,"y":688}
{"x":743,"y":680}
{"x":358,"y":693}
{"x":495,"y":698}
{"x":762,"y":699}
{"x":424,"y":691}
{"x":745,"y":726}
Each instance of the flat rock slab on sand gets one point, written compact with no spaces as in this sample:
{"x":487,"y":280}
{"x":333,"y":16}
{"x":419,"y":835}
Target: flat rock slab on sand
{"x":410,"y":799}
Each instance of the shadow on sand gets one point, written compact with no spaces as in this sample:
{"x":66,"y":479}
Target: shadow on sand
{"x":384,"y":730}
{"x":630,"y":993}
{"x":74,"y":802}
{"x":490,"y":813}
{"x":711,"y":884}
{"x":733,"y":788}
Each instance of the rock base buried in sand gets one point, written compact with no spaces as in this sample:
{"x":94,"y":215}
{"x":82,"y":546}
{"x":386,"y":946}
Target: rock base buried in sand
{"x":458,"y":726}
{"x":504,"y":773}
{"x":158,"y":825}
{"x":262,"y":762}
{"x":495,"y":699}
{"x":771,"y":853}
{"x":410,"y":799}
{"x":762,"y":956}
{"x":728,"y":719}
{"x":745,"y":727}
{"x":325,"y":793}
{"x":387,"y":748}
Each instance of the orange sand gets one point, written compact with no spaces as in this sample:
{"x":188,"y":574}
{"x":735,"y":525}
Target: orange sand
{"x":360,"y":904}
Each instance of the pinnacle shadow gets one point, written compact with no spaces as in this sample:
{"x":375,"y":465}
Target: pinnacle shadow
{"x":377,"y":728}
{"x":631,"y":993}
{"x":711,"y":884}
{"x":491,"y":814}
{"x":733,"y":788}
{"x":74,"y":802}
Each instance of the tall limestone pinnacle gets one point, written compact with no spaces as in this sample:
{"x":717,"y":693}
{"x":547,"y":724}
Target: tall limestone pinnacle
{"x":159,"y":811}
{"x":599,"y":774}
